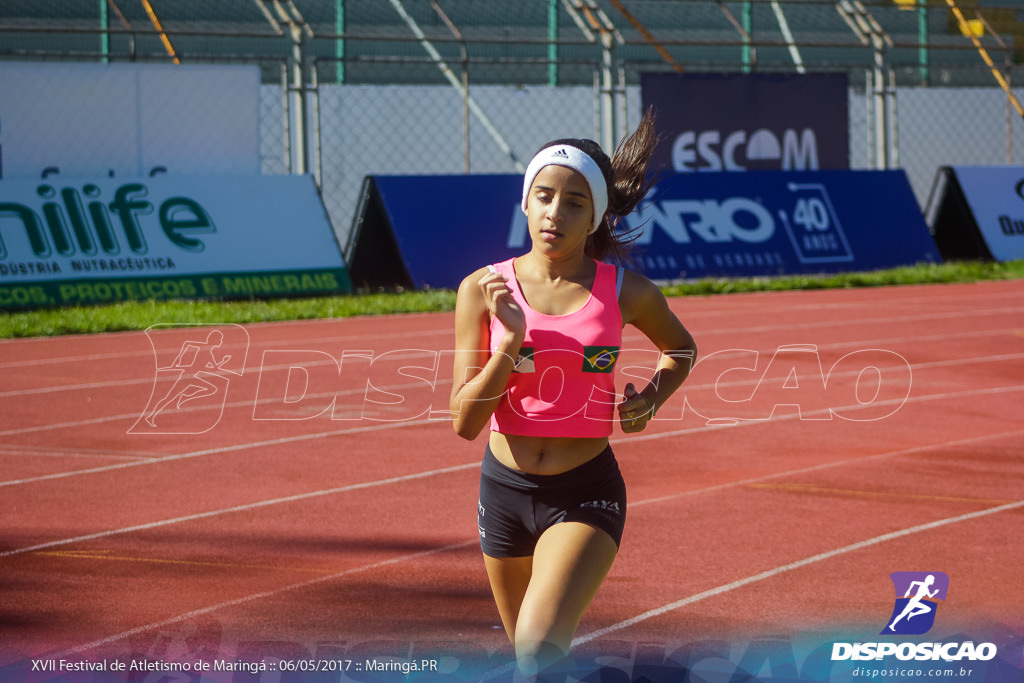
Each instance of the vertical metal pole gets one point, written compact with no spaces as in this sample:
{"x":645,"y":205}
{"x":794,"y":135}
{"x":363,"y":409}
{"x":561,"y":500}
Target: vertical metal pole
{"x":869,"y":106}
{"x":922,"y":40}
{"x":298,"y":102}
{"x":339,"y":43}
{"x":286,"y":118}
{"x":1009,"y":111}
{"x":465,"y":113}
{"x":894,"y":139}
{"x":465,"y":103}
{"x":295,"y":84}
{"x":877,"y":85}
{"x":552,"y":42}
{"x":747,"y":19}
{"x":881,"y":108}
{"x":316,"y":158}
{"x":608,"y":125}
{"x":623,"y":107}
{"x":105,"y":35}
{"x":742,"y":26}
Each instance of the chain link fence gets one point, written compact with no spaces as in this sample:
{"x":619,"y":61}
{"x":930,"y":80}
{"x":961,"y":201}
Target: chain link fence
{"x":357,"y":87}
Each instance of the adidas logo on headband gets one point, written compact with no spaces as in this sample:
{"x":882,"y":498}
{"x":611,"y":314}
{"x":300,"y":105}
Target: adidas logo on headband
{"x":578,"y":160}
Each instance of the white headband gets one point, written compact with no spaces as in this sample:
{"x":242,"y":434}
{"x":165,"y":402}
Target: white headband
{"x":578,"y":160}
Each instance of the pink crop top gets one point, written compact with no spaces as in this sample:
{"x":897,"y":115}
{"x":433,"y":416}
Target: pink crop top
{"x":564,"y":381}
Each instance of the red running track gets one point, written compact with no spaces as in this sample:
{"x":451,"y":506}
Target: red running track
{"x":316,"y":501}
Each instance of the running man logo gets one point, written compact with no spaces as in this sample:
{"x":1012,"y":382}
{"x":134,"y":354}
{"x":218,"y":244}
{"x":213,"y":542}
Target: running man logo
{"x":914,"y":612}
{"x":192,"y":375}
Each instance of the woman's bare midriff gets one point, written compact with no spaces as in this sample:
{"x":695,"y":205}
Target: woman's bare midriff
{"x":544,"y":455}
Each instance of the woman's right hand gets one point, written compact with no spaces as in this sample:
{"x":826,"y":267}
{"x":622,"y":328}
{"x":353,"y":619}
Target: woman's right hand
{"x":499,"y":301}
{"x":482,"y":366}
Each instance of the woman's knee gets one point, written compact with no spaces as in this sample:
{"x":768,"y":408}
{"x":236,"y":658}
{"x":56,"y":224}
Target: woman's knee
{"x":534,"y":656}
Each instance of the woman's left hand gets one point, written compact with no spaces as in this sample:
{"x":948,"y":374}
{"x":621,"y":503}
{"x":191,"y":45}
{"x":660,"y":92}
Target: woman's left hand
{"x":634,"y":411}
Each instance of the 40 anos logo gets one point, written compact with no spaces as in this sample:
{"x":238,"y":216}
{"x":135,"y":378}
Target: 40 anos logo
{"x":914,"y":614}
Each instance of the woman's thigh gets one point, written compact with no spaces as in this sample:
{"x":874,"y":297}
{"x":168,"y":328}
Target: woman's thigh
{"x":509,"y":578}
{"x":569,"y":564}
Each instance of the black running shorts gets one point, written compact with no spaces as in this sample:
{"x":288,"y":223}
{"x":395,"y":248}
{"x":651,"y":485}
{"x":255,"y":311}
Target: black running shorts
{"x":515,"y":508}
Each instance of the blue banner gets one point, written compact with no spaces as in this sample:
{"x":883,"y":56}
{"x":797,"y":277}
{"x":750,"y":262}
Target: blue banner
{"x":780,"y":222}
{"x":690,"y":226}
{"x":995,"y":197}
{"x":439,"y":246}
{"x":748,"y":122}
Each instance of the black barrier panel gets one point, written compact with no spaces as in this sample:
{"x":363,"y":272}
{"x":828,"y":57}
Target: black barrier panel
{"x":951,"y":222}
{"x":977,"y":212}
{"x":431,"y":231}
{"x":372,"y":246}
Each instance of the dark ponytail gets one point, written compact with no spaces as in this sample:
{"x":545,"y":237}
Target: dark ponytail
{"x":629,"y":176}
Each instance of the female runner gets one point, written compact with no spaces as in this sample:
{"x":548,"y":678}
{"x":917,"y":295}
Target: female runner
{"x":537,"y":339}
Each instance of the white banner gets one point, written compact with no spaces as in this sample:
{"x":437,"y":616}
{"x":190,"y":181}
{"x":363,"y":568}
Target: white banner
{"x":129,"y":120}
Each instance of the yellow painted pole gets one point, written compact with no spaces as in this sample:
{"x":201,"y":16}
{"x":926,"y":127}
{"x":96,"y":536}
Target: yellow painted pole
{"x":163,"y":34}
{"x":962,"y":21}
{"x":647,"y":36}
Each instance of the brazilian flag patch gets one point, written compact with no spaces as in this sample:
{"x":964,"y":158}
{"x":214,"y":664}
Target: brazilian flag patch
{"x":599,"y":358}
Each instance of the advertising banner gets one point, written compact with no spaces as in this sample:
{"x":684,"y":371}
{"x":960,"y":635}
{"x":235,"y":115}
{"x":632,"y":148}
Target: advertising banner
{"x":747,"y":122}
{"x":90,"y":241}
{"x":995,"y":198}
{"x":780,"y":222}
{"x":398,"y":238}
{"x":690,"y":226}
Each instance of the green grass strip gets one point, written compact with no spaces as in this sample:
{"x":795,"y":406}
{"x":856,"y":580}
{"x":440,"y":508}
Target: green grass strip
{"x":140,"y":315}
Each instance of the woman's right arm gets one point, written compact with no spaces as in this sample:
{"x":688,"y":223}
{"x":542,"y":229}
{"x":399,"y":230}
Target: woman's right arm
{"x":480,"y":377}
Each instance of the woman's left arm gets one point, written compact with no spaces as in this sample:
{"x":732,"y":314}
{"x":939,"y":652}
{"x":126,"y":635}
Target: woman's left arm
{"x":644,"y":306}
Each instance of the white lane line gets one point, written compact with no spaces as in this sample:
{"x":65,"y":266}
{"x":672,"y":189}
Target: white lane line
{"x":147,"y":350}
{"x":628,"y":336}
{"x":259,"y":596}
{"x":475,"y":464}
{"x":771,"y":573}
{"x":395,"y":425}
{"x":398,"y":354}
{"x":221,"y":449}
{"x":804,"y":415}
{"x":240,"y":508}
{"x":346,"y":392}
{"x":582,"y":639}
{"x":862,"y":322}
{"x":702,"y":332}
{"x":958,"y":443}
{"x":73,"y":453}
